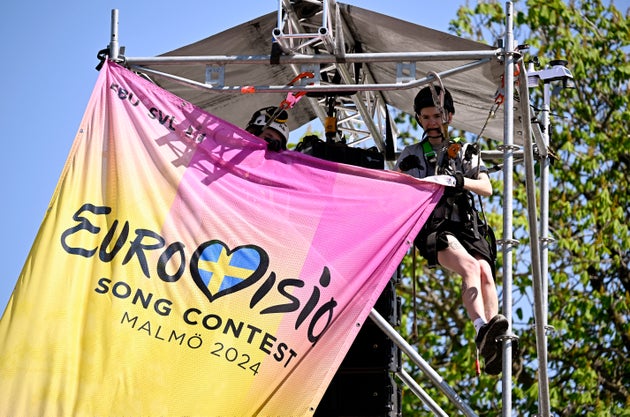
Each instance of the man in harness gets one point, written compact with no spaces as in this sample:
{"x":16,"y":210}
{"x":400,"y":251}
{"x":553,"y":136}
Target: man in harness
{"x":455,"y":236}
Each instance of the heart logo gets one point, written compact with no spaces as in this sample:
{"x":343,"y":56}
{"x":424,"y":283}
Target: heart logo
{"x":219,"y":271}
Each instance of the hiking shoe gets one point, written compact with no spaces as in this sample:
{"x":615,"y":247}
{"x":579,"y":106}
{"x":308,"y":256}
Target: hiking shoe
{"x":494,"y":365}
{"x":486,"y":340}
{"x":481,"y":335}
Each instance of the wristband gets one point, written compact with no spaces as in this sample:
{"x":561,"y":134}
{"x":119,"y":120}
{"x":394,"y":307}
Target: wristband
{"x":459,"y":180}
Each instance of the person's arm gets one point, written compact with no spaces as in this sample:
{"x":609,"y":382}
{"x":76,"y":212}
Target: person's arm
{"x":481,"y":186}
{"x":474,"y":167}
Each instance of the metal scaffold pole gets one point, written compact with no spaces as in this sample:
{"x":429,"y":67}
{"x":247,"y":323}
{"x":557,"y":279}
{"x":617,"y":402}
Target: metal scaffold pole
{"x":415,"y":357}
{"x":114,"y":48}
{"x":508,"y":170}
{"x":538,"y":282}
{"x":542,"y":308}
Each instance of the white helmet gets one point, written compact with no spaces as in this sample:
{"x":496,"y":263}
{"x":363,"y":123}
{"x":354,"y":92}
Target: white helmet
{"x":281,"y":128}
{"x":261,"y":118}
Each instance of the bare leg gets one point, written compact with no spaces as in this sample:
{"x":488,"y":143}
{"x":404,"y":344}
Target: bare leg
{"x":455,"y":258}
{"x":488,"y":290}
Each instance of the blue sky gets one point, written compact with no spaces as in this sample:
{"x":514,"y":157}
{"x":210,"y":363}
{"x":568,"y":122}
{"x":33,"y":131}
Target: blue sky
{"x":48,"y":74}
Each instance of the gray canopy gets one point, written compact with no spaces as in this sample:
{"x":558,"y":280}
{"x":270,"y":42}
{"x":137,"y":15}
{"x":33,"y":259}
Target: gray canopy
{"x":368,"y":37}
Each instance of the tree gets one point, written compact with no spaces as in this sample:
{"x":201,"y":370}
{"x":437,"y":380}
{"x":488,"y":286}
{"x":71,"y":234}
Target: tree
{"x":589,"y":294}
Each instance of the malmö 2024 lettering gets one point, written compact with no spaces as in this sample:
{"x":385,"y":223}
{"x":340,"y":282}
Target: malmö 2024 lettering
{"x":117,"y":240}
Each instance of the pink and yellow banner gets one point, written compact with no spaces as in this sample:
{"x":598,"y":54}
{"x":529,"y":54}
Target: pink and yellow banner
{"x":184,"y":269}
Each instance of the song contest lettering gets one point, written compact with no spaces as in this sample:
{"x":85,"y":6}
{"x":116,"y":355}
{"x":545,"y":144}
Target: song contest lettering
{"x":117,"y":243}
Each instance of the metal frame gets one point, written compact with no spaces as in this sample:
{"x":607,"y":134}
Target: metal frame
{"x":362,"y":116}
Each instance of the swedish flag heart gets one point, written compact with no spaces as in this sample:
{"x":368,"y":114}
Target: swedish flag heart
{"x":219,"y":271}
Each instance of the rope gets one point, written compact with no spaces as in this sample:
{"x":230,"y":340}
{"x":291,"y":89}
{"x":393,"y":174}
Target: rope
{"x":414,"y":330}
{"x":498,"y":100}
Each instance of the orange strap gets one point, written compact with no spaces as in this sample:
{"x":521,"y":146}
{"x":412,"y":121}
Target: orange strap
{"x":499,"y":96}
{"x":293,"y":98}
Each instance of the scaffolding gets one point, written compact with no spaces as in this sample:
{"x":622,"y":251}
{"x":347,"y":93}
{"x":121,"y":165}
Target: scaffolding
{"x":319,"y":38}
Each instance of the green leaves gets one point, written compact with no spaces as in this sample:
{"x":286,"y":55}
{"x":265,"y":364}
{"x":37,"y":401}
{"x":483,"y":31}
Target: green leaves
{"x":589,"y":273}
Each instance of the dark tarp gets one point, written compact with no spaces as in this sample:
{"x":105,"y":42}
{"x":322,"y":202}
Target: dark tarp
{"x":473,"y":90}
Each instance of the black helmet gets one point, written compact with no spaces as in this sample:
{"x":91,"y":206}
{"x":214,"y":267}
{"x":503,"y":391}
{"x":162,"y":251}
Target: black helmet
{"x":424,"y":98}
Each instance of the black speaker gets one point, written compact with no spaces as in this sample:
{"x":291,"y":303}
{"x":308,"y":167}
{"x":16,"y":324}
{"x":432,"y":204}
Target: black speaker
{"x":373,"y":350}
{"x":364,"y":385}
{"x":340,"y":152}
{"x":361,"y":394}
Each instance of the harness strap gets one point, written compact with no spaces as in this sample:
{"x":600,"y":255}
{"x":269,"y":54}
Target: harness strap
{"x":428,"y":149}
{"x":432,"y":249}
{"x":474,"y":215}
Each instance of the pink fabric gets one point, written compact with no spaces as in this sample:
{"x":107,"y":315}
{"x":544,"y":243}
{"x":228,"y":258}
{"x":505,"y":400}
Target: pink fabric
{"x":251,"y":273}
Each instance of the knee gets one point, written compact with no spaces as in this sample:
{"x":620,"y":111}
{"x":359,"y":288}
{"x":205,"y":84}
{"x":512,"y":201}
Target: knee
{"x":470,"y":264}
{"x":485,"y":271}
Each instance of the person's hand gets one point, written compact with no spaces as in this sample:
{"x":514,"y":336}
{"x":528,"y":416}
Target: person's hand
{"x":409,"y":162}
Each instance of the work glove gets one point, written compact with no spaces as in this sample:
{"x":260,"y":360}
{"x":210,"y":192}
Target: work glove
{"x":409,"y":162}
{"x":459,"y":180}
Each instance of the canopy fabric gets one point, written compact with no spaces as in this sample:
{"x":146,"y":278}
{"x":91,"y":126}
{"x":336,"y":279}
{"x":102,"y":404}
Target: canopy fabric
{"x":473,"y":91}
